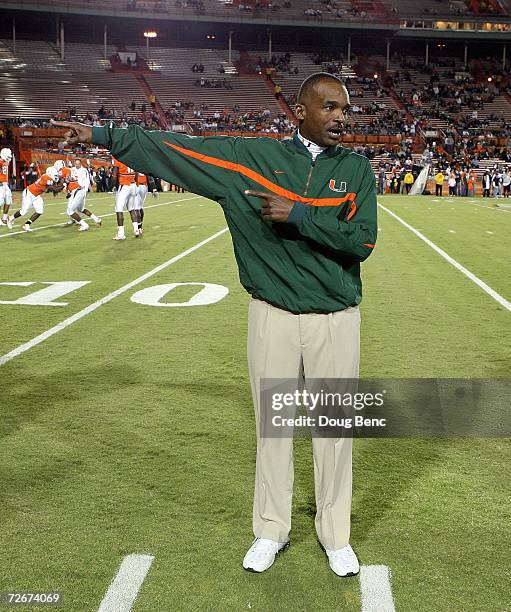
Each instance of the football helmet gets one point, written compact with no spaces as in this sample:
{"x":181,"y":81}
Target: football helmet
{"x":6,"y":155}
{"x":53,"y":173}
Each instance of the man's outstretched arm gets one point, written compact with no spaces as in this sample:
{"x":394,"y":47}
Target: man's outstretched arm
{"x":75,"y":132}
{"x":200,"y":165}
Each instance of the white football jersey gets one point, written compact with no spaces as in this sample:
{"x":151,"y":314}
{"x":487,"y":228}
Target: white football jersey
{"x":81,"y":176}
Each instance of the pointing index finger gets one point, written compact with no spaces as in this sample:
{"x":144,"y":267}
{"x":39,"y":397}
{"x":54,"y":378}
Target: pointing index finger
{"x":66,"y":124}
{"x":258,"y":194}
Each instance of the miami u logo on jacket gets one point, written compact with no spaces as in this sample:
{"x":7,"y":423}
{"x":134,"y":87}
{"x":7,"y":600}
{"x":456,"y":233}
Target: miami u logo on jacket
{"x":342,"y":186}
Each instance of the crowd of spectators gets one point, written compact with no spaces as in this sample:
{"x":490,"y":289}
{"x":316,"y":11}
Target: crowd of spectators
{"x":333,"y":8}
{"x":233,"y":120}
{"x":163,"y":6}
{"x":456,"y":99}
{"x":330,"y":9}
{"x":214,"y":83}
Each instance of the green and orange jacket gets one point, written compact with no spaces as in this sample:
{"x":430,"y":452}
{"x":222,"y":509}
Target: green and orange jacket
{"x":309,"y":264}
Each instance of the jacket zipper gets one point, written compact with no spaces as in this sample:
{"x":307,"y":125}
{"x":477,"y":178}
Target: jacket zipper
{"x":313,"y":163}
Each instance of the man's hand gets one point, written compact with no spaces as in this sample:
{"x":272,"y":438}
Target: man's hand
{"x":274,"y":208}
{"x":76,"y":132}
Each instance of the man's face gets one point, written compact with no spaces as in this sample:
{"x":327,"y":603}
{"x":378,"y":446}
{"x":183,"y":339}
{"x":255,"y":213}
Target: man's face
{"x":322,"y":113}
{"x":78,"y":164}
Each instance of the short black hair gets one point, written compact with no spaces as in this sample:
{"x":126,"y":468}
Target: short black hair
{"x":312,"y":80}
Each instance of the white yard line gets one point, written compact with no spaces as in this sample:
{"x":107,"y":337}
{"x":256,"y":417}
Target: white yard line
{"x":375,"y":589}
{"x":484,"y":206}
{"x":123,"y":590}
{"x":108,"y":298}
{"x":491,"y":292}
{"x":96,"y":199}
{"x":36,"y":229}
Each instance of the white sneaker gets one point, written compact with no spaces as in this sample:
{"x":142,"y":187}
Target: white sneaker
{"x":10,"y":222}
{"x":99,"y":221}
{"x":27,"y":227}
{"x":83,"y":228}
{"x":117,"y":237}
{"x":262,"y":553}
{"x":343,"y":561}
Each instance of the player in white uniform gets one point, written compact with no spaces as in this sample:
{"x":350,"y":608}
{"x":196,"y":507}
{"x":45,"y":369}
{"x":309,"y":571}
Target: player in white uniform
{"x":5,"y":191}
{"x":142,"y":189}
{"x":123,"y":178}
{"x":78,"y":187}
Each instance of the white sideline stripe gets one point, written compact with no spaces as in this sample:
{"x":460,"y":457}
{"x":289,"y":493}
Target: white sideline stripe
{"x":375,"y":589}
{"x":36,"y":229}
{"x":151,"y":205}
{"x":488,"y":207}
{"x":108,"y":298}
{"x":123,"y":590}
{"x":491,"y":292}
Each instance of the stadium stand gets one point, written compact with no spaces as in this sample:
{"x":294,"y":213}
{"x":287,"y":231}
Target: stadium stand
{"x":403,"y":112}
{"x":30,"y":80}
{"x":355,"y":11}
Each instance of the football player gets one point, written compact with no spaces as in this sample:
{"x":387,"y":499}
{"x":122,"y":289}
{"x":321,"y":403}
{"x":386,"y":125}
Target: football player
{"x":124,"y":179}
{"x":78,"y":187}
{"x":31,"y":197}
{"x":5,"y":192}
{"x":142,"y":189}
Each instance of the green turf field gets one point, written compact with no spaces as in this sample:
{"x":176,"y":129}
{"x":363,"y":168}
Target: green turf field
{"x":131,"y":430}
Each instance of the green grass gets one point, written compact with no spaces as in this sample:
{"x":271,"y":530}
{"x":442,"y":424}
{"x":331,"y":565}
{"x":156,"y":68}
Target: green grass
{"x":132,"y":430}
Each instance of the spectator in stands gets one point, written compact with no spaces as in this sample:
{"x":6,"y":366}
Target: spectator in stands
{"x":381,"y":181}
{"x":99,"y":179}
{"x":486,"y":180}
{"x":471,"y":183}
{"x":463,"y":183}
{"x":452,"y":184}
{"x":439,"y":181}
{"x":31,"y":174}
{"x":506,"y":182}
{"x":496,"y":181}
{"x":457,"y":176}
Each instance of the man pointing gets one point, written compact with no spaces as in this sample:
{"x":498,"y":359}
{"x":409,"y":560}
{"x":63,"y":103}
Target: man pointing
{"x":302,"y":214}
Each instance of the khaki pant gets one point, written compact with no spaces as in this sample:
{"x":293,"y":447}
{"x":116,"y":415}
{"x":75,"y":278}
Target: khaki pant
{"x":286,"y":345}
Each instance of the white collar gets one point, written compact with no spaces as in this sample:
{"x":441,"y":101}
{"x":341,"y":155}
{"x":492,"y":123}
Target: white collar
{"x":313,"y":148}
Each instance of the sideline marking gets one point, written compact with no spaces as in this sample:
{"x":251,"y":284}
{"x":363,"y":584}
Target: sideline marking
{"x":124,"y":588}
{"x":104,"y":300}
{"x":474,"y":203}
{"x":491,"y":292}
{"x":375,"y":589}
{"x":152,"y":205}
{"x":36,"y":229}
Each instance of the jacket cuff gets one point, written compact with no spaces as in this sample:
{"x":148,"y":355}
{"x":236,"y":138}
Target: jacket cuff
{"x":297,"y":214}
{"x":99,"y":136}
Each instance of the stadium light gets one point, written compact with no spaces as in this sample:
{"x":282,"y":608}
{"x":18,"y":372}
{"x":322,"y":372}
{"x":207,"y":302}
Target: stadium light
{"x":149,"y":34}
{"x":375,"y":75}
{"x":490,"y":79}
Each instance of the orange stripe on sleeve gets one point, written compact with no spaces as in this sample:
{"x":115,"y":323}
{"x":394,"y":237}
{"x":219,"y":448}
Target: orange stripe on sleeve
{"x":353,"y":210}
{"x":261,"y":180}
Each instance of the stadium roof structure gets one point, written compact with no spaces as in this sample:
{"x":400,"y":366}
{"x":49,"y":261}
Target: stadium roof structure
{"x":406,"y":18}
